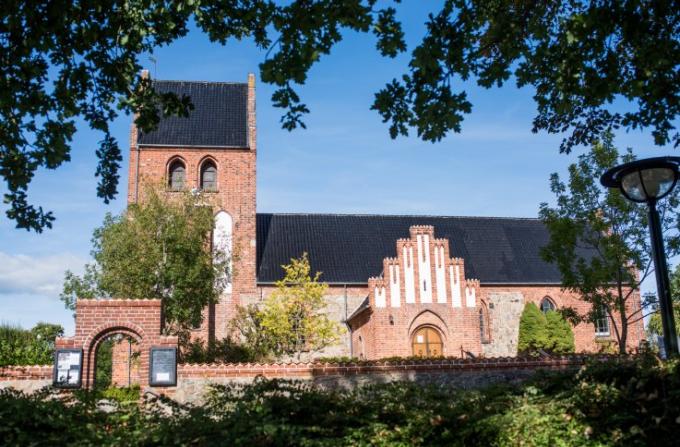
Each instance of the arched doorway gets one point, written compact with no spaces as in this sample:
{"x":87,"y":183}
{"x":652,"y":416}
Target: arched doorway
{"x":115,"y":357}
{"x":427,"y":342}
{"x":116,"y":362}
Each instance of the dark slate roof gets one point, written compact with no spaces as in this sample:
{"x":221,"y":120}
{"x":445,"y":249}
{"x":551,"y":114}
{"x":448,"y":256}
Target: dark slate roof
{"x":350,"y":248}
{"x":219,"y":118}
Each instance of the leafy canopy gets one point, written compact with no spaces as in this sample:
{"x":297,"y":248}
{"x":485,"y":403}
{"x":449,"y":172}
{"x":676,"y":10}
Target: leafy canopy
{"x":292,"y":320}
{"x":65,"y":61}
{"x":28,"y":347}
{"x":599,"y":240}
{"x":79,"y":60}
{"x":654,"y":325}
{"x":156,"y":249}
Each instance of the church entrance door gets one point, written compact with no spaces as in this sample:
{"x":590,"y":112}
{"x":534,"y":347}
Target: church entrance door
{"x":427,"y":343}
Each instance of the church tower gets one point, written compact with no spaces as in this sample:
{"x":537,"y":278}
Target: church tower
{"x":214,"y":150}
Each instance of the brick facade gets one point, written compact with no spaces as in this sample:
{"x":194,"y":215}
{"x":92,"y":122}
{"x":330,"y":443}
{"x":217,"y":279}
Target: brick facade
{"x":423,"y":286}
{"x":96,"y":320}
{"x":235,"y":194}
{"x":470,"y":318}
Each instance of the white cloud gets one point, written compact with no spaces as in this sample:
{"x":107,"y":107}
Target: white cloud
{"x":39,"y":275}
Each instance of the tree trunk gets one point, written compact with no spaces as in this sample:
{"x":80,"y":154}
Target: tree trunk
{"x":624,"y":327}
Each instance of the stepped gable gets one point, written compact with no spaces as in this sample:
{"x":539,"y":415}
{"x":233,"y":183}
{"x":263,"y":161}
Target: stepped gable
{"x":422,"y":273}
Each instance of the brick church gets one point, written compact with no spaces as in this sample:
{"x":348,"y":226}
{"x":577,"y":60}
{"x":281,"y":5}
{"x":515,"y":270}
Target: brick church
{"x":401,"y":285}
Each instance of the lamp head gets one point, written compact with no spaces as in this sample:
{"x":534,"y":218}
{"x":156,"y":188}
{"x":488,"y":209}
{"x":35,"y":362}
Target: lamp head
{"x":646,"y":180}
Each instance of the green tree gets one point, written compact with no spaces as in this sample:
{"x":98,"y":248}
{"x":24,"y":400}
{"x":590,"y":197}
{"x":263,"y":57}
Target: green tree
{"x":533,"y":333}
{"x":156,"y":249}
{"x":70,"y":60}
{"x":291,"y":320}
{"x":599,"y":240}
{"x":654,"y":325}
{"x":247,"y":323}
{"x":28,"y":347}
{"x":559,"y":334}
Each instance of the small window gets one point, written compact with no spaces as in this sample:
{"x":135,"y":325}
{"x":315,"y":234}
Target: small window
{"x":208,"y":176}
{"x":547,"y":305}
{"x":176,"y":176}
{"x":602,"y":322}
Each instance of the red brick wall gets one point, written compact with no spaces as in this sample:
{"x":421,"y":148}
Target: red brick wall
{"x":584,"y":334}
{"x":125,"y":363}
{"x":390,"y":330}
{"x":98,"y":319}
{"x":460,"y":326}
{"x":236,"y":179}
{"x":32,"y":372}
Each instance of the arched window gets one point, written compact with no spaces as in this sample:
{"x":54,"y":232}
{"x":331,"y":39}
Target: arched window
{"x":209,"y":176}
{"x":484,"y":329}
{"x":222,"y":239}
{"x":427,"y":343}
{"x":547,"y":305}
{"x":177,"y":175}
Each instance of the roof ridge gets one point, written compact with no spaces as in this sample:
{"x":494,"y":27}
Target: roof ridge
{"x":403,"y":215}
{"x":200,"y":82}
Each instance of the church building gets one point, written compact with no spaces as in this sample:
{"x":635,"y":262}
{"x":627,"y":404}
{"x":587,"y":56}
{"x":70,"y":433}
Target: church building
{"x":401,"y":285}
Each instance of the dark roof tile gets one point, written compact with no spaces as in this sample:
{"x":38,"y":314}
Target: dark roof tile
{"x":351,"y":248}
{"x":219,"y":118}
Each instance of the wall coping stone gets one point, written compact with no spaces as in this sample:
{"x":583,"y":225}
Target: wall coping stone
{"x":216,"y":370}
{"x":117,"y":302}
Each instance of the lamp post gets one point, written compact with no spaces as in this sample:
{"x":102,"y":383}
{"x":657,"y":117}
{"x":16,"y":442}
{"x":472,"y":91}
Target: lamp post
{"x":648,"y":181}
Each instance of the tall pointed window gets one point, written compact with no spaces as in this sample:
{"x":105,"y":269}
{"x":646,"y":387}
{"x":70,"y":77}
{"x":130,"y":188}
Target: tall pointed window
{"x":209,"y":176}
{"x":547,"y":305}
{"x":177,"y":176}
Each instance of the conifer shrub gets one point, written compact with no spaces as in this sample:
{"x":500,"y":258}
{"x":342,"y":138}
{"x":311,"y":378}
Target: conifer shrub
{"x":533,"y":334}
{"x":560,"y":334}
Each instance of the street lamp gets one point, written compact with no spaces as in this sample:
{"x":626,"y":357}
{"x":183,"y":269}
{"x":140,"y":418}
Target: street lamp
{"x":648,"y":181}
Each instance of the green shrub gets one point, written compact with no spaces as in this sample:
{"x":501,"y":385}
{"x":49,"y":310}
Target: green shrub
{"x":219,"y":351}
{"x":28,"y":347}
{"x":533,"y":334}
{"x":621,"y":402}
{"x":121,"y":394}
{"x":560,"y":334}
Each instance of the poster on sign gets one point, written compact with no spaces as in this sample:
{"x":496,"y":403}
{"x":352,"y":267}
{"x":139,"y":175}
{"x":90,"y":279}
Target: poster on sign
{"x":67,"y":368}
{"x":163,"y":367}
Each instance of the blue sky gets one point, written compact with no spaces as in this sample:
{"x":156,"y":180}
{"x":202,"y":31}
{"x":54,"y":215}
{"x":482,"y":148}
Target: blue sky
{"x":345,"y":162}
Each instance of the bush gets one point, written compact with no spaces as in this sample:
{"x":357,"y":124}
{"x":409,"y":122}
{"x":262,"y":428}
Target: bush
{"x":560,"y":334}
{"x":623,"y":402}
{"x":220,"y":351}
{"x":533,"y":334}
{"x":28,"y":347}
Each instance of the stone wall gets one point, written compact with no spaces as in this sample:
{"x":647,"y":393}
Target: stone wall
{"x":505,"y":310}
{"x":26,"y":378}
{"x":194,"y":379}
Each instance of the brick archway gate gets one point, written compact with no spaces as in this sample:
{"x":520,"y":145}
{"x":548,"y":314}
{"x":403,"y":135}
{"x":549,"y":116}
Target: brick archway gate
{"x":98,"y":319}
